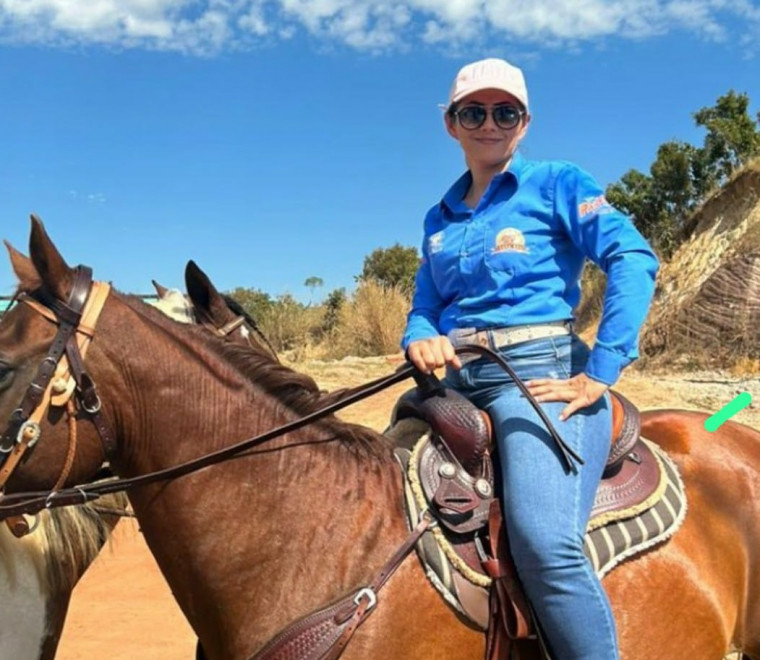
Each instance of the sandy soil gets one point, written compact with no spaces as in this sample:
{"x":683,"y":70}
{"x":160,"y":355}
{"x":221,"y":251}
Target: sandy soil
{"x":122,"y":609}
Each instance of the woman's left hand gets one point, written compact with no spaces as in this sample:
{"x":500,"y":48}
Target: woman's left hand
{"x":580,"y":391}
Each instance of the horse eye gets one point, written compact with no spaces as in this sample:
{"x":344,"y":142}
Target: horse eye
{"x":6,"y":375}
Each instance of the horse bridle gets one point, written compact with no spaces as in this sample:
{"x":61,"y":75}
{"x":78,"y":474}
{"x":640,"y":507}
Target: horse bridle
{"x":65,"y":360}
{"x":241,"y":321}
{"x":61,"y":373}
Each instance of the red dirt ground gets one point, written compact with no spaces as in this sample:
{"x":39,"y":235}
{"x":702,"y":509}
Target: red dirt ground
{"x":122,"y":609}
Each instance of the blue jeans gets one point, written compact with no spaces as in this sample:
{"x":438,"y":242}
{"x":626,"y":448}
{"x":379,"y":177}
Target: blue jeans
{"x":546,"y":507}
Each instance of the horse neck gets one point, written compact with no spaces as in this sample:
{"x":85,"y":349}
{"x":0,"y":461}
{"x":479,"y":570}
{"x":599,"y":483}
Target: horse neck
{"x":224,"y":533}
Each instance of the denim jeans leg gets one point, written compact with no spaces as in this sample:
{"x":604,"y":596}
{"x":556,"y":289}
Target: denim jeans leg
{"x":547,"y":508}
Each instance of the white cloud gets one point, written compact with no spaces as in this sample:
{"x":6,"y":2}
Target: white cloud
{"x":209,"y":26}
{"x":90,"y":198}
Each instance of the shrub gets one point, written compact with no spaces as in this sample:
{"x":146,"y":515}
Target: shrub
{"x":370,"y":323}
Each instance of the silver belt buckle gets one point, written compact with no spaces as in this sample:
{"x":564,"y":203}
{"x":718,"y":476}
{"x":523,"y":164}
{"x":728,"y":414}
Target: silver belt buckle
{"x":462,"y":336}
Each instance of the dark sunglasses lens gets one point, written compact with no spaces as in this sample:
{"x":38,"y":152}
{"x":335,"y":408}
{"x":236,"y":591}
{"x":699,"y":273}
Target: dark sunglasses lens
{"x":472,"y":116}
{"x":506,"y":116}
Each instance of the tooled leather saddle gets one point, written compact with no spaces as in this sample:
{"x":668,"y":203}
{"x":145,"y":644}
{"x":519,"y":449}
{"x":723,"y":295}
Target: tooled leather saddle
{"x":457,"y":476}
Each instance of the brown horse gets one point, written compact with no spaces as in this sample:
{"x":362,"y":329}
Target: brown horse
{"x":256,"y":542}
{"x":217,"y":312}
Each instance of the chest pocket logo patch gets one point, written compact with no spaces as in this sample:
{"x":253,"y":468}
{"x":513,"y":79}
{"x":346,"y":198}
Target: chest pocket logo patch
{"x":510,"y":240}
{"x":435,"y":243}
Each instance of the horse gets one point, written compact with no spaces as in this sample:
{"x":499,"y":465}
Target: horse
{"x":205,"y":305}
{"x":39,"y":571}
{"x":322,"y":505}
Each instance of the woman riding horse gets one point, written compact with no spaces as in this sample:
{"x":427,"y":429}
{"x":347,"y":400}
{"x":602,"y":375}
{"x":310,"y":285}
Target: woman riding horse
{"x":297,"y":522}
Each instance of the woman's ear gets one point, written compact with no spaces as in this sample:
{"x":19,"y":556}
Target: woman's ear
{"x":451,"y":127}
{"x":524,"y":129}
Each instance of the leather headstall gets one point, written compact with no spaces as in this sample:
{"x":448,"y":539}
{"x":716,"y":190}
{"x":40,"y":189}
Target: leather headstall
{"x":225,"y":330}
{"x":61,"y":371}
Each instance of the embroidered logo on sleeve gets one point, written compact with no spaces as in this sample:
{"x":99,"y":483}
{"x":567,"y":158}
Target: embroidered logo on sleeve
{"x":510,"y":240}
{"x":597,"y":205}
{"x":435,"y":242}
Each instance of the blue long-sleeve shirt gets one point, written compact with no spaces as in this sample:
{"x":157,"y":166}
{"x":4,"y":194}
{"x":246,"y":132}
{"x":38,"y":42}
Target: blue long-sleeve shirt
{"x":517,"y":259}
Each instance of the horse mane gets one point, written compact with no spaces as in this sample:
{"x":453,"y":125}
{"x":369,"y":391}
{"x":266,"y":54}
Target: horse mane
{"x":294,"y":390}
{"x":78,"y":533}
{"x":300,"y":393}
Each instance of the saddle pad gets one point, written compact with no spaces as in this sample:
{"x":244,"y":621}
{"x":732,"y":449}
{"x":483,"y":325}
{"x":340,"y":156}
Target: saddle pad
{"x":609,"y":541}
{"x":608,"y":545}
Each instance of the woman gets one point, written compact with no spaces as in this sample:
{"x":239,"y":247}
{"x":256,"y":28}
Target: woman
{"x":503,"y":254}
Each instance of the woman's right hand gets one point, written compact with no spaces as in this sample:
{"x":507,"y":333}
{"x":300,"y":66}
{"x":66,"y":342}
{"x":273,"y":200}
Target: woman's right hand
{"x":430,"y":354}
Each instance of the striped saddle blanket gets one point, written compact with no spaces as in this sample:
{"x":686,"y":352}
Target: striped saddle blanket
{"x":452,"y":563}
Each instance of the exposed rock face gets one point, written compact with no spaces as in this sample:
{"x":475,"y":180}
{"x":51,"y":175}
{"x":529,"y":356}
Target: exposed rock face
{"x":708,"y":295}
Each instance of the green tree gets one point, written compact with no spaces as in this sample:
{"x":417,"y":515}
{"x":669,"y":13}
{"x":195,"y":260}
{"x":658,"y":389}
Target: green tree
{"x":257,"y":303}
{"x":732,"y":135}
{"x":682,"y":174}
{"x":393,"y":266}
{"x":658,"y":203}
{"x":634,"y":195}
{"x":673,"y":177}
{"x":676,"y":191}
{"x":333,"y":304}
{"x":312,"y":283}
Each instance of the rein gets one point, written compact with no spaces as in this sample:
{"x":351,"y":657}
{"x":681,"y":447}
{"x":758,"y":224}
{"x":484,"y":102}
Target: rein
{"x":30,"y":503}
{"x":68,"y":317}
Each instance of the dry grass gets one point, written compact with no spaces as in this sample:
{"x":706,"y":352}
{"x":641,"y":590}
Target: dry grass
{"x":745,"y":366}
{"x":371,"y":323}
{"x":289,"y":326}
{"x":593,"y":284}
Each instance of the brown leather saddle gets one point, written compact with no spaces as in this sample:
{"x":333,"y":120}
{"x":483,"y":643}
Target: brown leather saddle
{"x":457,"y":476}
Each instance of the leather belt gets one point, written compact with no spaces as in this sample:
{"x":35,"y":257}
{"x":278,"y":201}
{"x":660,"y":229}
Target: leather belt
{"x":496,"y":338}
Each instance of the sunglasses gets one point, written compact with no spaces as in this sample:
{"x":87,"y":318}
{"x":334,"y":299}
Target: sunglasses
{"x":505,"y":116}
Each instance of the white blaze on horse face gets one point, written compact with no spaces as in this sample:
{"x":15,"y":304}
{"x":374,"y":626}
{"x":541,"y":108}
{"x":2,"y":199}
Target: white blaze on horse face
{"x":23,"y":598}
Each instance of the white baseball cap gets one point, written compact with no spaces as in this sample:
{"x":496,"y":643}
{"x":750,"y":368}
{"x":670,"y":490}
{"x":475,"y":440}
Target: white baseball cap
{"x":491,"y":73}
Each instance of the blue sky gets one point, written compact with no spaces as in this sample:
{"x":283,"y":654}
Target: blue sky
{"x":275,"y":140}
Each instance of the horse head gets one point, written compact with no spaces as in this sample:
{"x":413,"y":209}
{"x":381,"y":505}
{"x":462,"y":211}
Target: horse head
{"x":43,"y":443}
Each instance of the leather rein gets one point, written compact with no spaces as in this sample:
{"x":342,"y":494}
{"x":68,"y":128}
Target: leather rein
{"x":62,"y":372}
{"x":65,"y":357}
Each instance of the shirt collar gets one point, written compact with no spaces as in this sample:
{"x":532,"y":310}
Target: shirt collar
{"x":453,"y":198}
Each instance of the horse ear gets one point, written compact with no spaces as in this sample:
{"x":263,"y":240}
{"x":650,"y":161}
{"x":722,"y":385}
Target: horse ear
{"x":206,"y":299}
{"x":54,"y":272}
{"x":161,"y":290}
{"x":28,"y":277}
